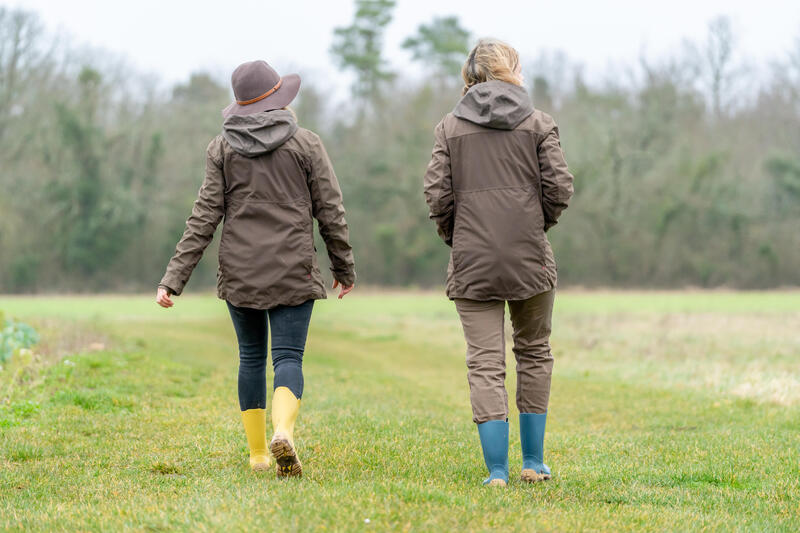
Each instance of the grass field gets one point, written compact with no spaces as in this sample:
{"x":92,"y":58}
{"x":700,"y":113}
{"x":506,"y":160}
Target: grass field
{"x":669,"y":411}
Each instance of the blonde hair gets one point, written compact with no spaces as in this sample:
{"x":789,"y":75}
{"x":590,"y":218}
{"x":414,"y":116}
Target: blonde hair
{"x":290,"y":110}
{"x":491,"y":59}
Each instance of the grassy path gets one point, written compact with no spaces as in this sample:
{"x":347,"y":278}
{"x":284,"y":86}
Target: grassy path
{"x":672,"y":411}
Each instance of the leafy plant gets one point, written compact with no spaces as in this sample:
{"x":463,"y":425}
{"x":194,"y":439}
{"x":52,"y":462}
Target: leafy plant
{"x":15,"y":336}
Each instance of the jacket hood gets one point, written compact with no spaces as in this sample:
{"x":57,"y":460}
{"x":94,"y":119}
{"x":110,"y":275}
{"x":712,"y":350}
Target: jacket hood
{"x":495,"y":104}
{"x":259,"y":133}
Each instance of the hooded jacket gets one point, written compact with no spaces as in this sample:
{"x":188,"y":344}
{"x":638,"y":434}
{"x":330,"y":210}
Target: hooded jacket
{"x":268,"y":179}
{"x":496,"y":182}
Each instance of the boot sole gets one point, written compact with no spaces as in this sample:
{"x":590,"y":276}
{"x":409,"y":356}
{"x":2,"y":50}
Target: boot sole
{"x":260,"y":467}
{"x":532,"y":476}
{"x":287,"y":463}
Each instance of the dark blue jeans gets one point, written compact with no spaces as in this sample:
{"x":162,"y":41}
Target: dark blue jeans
{"x":289,"y":331}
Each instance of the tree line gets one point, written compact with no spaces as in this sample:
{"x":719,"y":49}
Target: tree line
{"x":687,"y":172}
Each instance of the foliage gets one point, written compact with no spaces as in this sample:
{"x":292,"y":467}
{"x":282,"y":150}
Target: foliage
{"x":440,"y":45}
{"x":685,"y":174}
{"x":97,"y":217}
{"x":358,"y":47}
{"x":15,"y":336}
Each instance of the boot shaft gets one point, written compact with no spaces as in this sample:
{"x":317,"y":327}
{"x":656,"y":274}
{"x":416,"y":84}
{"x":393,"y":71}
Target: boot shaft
{"x":255,"y":428}
{"x":531,"y":436}
{"x":285,"y":407}
{"x":494,"y":442}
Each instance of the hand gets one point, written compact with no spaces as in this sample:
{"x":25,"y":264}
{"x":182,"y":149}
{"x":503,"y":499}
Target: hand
{"x":163,"y":299}
{"x":345,"y":288}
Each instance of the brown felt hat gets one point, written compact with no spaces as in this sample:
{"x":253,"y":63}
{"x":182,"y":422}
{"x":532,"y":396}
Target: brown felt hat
{"x":257,"y":87}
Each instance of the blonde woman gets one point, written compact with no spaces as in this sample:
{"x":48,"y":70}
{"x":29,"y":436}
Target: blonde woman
{"x":268,"y":178}
{"x":497,"y":181}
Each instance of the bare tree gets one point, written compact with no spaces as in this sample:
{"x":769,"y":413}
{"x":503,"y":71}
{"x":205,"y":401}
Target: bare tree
{"x":719,"y":59}
{"x":22,"y":58}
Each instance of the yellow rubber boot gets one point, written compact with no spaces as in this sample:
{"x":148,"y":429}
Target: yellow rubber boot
{"x":255,"y":427}
{"x":285,"y":407}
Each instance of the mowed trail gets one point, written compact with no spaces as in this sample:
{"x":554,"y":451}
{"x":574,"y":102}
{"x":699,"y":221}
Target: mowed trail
{"x":669,"y":411}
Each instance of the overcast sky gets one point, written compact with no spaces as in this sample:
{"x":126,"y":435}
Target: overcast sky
{"x":173,"y":38}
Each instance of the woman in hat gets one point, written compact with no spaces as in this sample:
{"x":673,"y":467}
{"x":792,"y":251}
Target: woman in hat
{"x":269,"y":179}
{"x":497,"y":181}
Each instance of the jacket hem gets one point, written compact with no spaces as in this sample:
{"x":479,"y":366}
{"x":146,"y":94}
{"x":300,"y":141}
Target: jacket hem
{"x":506,"y":297}
{"x":265,"y":302}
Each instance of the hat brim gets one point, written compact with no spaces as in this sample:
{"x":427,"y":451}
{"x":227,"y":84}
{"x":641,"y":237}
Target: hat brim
{"x":290,"y":85}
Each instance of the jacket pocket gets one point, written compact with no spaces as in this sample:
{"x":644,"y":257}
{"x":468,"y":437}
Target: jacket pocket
{"x":309,"y":249}
{"x":222,"y":252}
{"x":457,"y":241}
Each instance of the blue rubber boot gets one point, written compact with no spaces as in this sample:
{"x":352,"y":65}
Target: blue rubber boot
{"x":531,"y":436}
{"x":494,"y":441}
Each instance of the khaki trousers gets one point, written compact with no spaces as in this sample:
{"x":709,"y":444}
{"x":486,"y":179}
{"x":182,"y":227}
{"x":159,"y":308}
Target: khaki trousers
{"x":483,"y":324}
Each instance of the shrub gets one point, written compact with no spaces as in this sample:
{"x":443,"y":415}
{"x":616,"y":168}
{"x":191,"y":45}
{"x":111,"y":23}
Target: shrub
{"x":15,"y":336}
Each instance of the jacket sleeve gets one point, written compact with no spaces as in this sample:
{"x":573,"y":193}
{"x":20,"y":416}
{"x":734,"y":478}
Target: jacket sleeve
{"x":206,"y":214}
{"x":557,"y":187}
{"x":439,"y":187}
{"x":328,"y":209}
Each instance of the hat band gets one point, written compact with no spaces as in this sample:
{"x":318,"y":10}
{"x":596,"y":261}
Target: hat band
{"x":257,"y":98}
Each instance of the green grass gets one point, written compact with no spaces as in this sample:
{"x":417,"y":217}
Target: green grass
{"x":669,"y":411}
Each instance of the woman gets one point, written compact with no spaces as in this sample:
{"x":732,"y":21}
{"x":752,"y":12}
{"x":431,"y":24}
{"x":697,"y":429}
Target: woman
{"x":497,"y":181}
{"x":267,"y":177}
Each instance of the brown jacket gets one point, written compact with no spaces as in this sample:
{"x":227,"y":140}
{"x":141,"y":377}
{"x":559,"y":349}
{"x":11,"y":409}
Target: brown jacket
{"x":497,"y":181}
{"x":268,"y":179}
